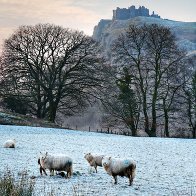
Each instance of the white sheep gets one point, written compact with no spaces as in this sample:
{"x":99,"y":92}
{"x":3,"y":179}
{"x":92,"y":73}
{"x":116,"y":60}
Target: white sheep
{"x":118,"y":167}
{"x":56,"y":162}
{"x":94,"y":160}
{"x":10,"y":143}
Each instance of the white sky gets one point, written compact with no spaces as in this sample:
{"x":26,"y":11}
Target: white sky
{"x":82,"y":14}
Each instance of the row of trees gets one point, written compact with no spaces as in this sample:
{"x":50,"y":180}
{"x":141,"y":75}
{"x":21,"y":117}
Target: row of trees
{"x":47,"y":69}
{"x":154,"y":81}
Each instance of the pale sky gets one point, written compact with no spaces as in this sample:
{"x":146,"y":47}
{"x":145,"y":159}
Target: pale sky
{"x":82,"y":14}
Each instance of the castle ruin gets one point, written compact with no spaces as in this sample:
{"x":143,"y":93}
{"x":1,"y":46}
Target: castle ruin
{"x":131,"y":12}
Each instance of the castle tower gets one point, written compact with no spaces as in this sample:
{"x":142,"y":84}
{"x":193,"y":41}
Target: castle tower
{"x":131,"y":12}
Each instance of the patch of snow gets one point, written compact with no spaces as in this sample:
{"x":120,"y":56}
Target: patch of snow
{"x":164,"y":166}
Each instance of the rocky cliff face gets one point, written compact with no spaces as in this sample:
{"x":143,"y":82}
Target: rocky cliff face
{"x":106,"y":31}
{"x":100,"y":28}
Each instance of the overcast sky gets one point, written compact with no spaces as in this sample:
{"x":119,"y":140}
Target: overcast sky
{"x":83,"y":14}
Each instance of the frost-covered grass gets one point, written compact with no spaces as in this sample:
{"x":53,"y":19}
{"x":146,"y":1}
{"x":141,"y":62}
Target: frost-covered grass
{"x":164,"y":166}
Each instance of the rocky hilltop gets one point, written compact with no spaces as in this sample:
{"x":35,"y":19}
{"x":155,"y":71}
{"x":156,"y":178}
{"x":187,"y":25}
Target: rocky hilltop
{"x":108,"y":30}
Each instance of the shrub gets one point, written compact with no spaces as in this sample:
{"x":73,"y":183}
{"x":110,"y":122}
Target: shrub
{"x":20,"y":186}
{"x":16,"y":104}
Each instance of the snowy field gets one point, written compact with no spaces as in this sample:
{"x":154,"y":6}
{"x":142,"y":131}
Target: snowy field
{"x":164,"y":166}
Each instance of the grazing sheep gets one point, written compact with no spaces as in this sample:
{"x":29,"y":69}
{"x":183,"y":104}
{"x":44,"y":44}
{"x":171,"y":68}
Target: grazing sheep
{"x":117,"y":167}
{"x":41,"y":168}
{"x":94,"y":160}
{"x":56,"y":162}
{"x":10,"y":144}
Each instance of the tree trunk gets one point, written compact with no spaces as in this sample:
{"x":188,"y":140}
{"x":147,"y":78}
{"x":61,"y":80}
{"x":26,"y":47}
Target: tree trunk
{"x":131,"y":124}
{"x":133,"y":128}
{"x":191,"y":123}
{"x":166,"y":123}
{"x":194,"y":130}
{"x":52,"y":112}
{"x":38,"y":114}
{"x":154,"y":123}
{"x":154,"y":114}
{"x":146,"y":119}
{"x":134,"y":132}
{"x":152,"y":133}
{"x":194,"y":133}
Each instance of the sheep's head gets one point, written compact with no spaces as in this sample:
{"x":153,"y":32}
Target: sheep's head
{"x":106,"y":162}
{"x":43,"y":157}
{"x":88,"y":156}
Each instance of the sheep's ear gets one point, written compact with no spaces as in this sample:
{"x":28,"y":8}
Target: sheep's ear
{"x":110,"y":158}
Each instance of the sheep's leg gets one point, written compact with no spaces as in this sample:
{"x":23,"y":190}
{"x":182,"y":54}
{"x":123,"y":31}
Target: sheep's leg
{"x":40,"y":170}
{"x":68,"y":174}
{"x":96,"y":168}
{"x":51,"y":172}
{"x":130,"y":180}
{"x":44,"y":171}
{"x":115,"y":179}
{"x":131,"y":174}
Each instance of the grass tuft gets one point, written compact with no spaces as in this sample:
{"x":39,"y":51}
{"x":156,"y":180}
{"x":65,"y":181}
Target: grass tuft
{"x":16,"y":186}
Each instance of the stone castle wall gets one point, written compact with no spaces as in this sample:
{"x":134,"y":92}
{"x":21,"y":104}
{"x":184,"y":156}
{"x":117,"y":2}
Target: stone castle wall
{"x":131,"y":12}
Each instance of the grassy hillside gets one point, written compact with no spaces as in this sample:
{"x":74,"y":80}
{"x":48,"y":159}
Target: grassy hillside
{"x":8,"y":118}
{"x":164,"y":166}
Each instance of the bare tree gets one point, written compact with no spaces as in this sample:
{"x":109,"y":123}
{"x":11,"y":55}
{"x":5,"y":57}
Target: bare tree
{"x":189,"y":90}
{"x":169,"y":93}
{"x":55,"y":68}
{"x":163,"y":56}
{"x":128,"y":51}
{"x":149,"y":52}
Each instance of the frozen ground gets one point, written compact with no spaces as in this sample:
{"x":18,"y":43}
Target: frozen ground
{"x":164,"y":166}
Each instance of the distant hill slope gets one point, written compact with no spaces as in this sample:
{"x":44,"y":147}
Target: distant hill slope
{"x":107,"y":30}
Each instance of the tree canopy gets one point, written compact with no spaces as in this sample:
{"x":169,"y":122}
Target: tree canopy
{"x":55,"y":68}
